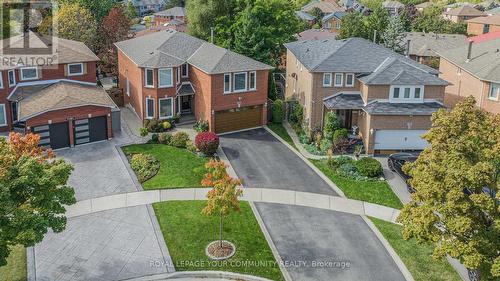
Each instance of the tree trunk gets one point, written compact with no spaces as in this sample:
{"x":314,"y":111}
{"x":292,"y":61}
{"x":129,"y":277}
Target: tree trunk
{"x":220,"y":231}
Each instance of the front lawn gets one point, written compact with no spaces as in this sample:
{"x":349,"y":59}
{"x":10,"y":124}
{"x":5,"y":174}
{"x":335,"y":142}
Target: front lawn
{"x":187,"y":232}
{"x":281,"y":131}
{"x":416,"y":257}
{"x":377,"y":192}
{"x":178,"y":167}
{"x":15,"y":270}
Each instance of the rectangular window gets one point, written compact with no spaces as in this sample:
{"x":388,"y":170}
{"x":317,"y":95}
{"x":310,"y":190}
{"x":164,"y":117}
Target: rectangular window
{"x":165,"y":108}
{"x":253,"y":80}
{"x":327,"y":79}
{"x":3,"y":117}
{"x":337,"y":25}
{"x":417,"y":93}
{"x":185,"y":70}
{"x":395,"y":93}
{"x":240,"y":82}
{"x":150,"y":108}
{"x":149,"y":77}
{"x":349,"y":80}
{"x":12,"y":77}
{"x":227,"y":83}
{"x":338,"y":79}
{"x":165,"y":78}
{"x":1,"y":80}
{"x":29,"y":73}
{"x":494,"y":91}
{"x":75,"y":69}
{"x":407,"y":93}
{"x":178,"y":75}
{"x":14,"y":109}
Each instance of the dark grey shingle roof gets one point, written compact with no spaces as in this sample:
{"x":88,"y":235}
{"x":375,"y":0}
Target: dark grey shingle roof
{"x":339,"y":15}
{"x":425,"y":44}
{"x":386,"y":108}
{"x":344,"y":100}
{"x":172,"y":12}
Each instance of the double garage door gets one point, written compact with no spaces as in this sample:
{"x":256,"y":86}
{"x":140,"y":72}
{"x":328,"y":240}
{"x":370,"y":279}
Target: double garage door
{"x":85,"y":131}
{"x":238,"y":119}
{"x":400,"y":140}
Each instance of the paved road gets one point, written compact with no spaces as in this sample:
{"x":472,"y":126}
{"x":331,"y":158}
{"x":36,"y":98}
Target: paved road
{"x":302,"y":233}
{"x":262,"y":161}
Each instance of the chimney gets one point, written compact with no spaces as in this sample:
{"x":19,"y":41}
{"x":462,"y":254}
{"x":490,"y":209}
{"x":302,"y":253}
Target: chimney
{"x":469,"y":51}
{"x":407,"y":52}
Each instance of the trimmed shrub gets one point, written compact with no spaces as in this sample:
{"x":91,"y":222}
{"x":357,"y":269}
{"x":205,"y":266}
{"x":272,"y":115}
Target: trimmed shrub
{"x":164,"y":138}
{"x":201,"y":126}
{"x":348,"y":169}
{"x":278,"y":111}
{"x":166,"y":125}
{"x":303,"y":138}
{"x":336,"y":162}
{"x":191,"y":147}
{"x":179,"y":139}
{"x":297,"y":113}
{"x":207,"y":142}
{"x":325,"y":144}
{"x":369,"y":167}
{"x":145,"y":166}
{"x":154,"y":138}
{"x":143,"y":131}
{"x":331,"y":124}
{"x":339,"y":134}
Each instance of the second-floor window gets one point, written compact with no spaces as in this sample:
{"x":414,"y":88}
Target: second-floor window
{"x":406,"y":94}
{"x":338,"y":79}
{"x":75,"y":69}
{"x":12,"y":77}
{"x":185,"y":70}
{"x":165,"y":78}
{"x":1,"y":80}
{"x":494,"y":91}
{"x":252,"y":81}
{"x":349,"y":80}
{"x":227,"y":83}
{"x":327,"y":79}
{"x":29,"y":73}
{"x":149,"y":77}
{"x":240,"y":82}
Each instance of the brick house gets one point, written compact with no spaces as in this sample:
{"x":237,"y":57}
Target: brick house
{"x":385,"y":98}
{"x":163,"y":17}
{"x":333,"y":21}
{"x":169,"y":73}
{"x":483,"y":25}
{"x":60,"y":102}
{"x":462,"y":13}
{"x":473,"y":69}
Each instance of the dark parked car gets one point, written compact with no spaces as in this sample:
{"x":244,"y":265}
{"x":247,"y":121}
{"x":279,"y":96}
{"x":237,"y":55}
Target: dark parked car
{"x":396,"y":162}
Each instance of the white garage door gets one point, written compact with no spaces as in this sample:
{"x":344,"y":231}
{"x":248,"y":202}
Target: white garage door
{"x":400,"y":139}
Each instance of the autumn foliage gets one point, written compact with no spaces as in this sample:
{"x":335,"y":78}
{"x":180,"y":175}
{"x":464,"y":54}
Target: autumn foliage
{"x":207,"y":142}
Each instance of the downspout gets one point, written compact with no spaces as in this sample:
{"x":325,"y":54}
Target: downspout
{"x":481,"y":97}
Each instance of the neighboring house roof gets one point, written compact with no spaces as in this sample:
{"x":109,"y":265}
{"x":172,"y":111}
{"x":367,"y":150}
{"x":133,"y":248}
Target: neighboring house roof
{"x":484,"y":61}
{"x":464,"y":10}
{"x":386,"y":108}
{"x":172,"y":12}
{"x":147,"y":2}
{"x":174,"y":22}
{"x":392,"y":5}
{"x":423,"y":5}
{"x":315,"y":34}
{"x":304,"y":16}
{"x":425,"y":44}
{"x":37,"y":99}
{"x":492,"y":20}
{"x":338,"y":15}
{"x":360,"y":56}
{"x":494,"y":11}
{"x":353,"y":5}
{"x":485,"y":37}
{"x":150,"y":30}
{"x":344,"y":100}
{"x":170,"y":48}
{"x":326,"y":6}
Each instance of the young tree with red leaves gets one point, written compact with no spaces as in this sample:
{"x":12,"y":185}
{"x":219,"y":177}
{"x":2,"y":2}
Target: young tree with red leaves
{"x":114,"y":28}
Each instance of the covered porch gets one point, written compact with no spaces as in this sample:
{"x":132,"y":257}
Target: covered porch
{"x":347,"y":106}
{"x":185,"y":103}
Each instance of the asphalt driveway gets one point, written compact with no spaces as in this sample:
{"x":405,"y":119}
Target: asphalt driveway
{"x":262,"y":161}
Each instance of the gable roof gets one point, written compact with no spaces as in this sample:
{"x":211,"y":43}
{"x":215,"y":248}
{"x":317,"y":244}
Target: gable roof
{"x":326,"y":6}
{"x":494,"y":11}
{"x":464,"y":10}
{"x":170,"y":48}
{"x":304,"y":16}
{"x":338,"y":15}
{"x":425,"y":44}
{"x":172,"y":12}
{"x":493,"y":20}
{"x":484,"y":62}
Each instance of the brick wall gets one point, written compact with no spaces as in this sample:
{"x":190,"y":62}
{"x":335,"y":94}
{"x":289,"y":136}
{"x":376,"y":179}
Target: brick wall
{"x":477,"y":28}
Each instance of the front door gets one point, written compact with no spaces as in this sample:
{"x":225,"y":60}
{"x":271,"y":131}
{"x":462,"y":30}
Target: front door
{"x":186,"y":104}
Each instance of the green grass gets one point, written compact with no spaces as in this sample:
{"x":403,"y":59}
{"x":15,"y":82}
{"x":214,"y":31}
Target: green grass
{"x":416,"y":256}
{"x":281,"y":131}
{"x":178,"y":167}
{"x":377,"y":192}
{"x":15,"y":270}
{"x":187,"y":232}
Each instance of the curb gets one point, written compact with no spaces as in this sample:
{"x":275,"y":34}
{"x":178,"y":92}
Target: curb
{"x":188,"y":275}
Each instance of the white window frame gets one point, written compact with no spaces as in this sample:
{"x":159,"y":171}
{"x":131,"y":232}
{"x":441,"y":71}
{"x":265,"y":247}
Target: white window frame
{"x":171,"y":106}
{"x":13,"y":77}
{"x":29,"y":68}
{"x":4,"y":114}
{"x":402,"y":99}
{"x":490,"y":97}
{"x":341,"y":80}
{"x":353,"y":76}
{"x":338,"y":25}
{"x":254,"y":86}
{"x":178,"y":77}
{"x":230,"y":83}
{"x":146,"y":78}
{"x":327,"y":84}
{"x":234,"y":82}
{"x":1,"y":80}
{"x":171,"y":78}
{"x":147,"y":111}
{"x":74,"y":74}
{"x":187,"y":71}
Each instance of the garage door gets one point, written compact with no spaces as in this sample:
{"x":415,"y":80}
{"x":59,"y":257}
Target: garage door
{"x":238,"y":119}
{"x":54,"y":135}
{"x":90,"y":130}
{"x":400,"y":139}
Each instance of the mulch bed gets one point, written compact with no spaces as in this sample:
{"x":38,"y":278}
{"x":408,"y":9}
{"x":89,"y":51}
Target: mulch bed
{"x":215,"y":251}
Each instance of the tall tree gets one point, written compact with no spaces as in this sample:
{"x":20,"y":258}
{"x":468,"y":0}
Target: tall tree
{"x":33,"y":192}
{"x":263,"y":28}
{"x":131,"y":11}
{"x":114,"y":28}
{"x":456,"y":178}
{"x":376,"y":23}
{"x":353,"y":25}
{"x":394,"y":36}
{"x":431,"y":20}
{"x":99,"y":9}
{"x":75,"y":22}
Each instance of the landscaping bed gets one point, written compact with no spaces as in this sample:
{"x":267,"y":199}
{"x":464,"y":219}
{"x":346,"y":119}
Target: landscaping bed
{"x":416,"y":256}
{"x":187,"y":232}
{"x":15,"y":270}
